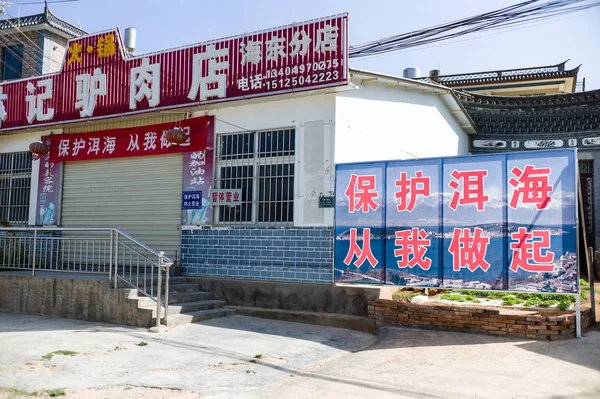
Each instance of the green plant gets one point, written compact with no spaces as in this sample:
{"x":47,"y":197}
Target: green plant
{"x":532,"y":302}
{"x":142,"y":343}
{"x":50,"y":355}
{"x":564,"y":305}
{"x":454,"y":297}
{"x":546,"y":304}
{"x":258,"y":356}
{"x":250,"y":372}
{"x":53,"y":393}
{"x":511,"y":300}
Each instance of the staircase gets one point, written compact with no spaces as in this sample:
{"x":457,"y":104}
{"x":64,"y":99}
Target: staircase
{"x":187,"y":304}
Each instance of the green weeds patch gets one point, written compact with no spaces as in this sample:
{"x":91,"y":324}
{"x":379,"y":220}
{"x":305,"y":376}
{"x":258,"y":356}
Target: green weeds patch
{"x":50,"y":355}
{"x":454,"y":297}
{"x":54,"y":393}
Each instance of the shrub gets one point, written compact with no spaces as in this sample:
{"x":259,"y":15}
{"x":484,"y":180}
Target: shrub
{"x":454,"y":297}
{"x":511,"y":300}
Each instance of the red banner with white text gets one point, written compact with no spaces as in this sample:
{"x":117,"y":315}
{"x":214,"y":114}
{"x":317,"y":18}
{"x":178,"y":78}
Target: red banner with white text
{"x":129,"y":142}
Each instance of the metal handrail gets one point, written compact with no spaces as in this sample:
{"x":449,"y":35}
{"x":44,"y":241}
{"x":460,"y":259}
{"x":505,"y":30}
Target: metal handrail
{"x":116,"y":242}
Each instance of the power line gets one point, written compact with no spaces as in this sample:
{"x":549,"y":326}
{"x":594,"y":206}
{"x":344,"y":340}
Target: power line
{"x":35,"y":45}
{"x":450,"y":42}
{"x":520,"y":14}
{"x":8,"y":47}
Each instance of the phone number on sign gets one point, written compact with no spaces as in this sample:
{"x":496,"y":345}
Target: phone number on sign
{"x":284,"y":83}
{"x":321,"y":66}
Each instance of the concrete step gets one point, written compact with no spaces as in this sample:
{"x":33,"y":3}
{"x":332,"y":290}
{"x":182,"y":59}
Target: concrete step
{"x":172,"y":282}
{"x":358,"y":323}
{"x":176,"y":320}
{"x":185,"y":297}
{"x":182,"y":288}
{"x":196,"y":306}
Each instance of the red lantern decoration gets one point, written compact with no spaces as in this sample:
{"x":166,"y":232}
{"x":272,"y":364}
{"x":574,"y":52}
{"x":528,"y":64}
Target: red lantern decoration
{"x":38,"y":149}
{"x":176,"y":137}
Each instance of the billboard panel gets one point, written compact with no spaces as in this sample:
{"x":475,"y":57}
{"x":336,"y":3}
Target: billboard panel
{"x":359,"y":227}
{"x":500,"y":221}
{"x":474,"y":222}
{"x":542,"y":222}
{"x":413,"y":229}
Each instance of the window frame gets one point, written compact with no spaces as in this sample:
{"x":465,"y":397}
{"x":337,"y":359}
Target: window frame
{"x":17,"y":168}
{"x":258,"y":156}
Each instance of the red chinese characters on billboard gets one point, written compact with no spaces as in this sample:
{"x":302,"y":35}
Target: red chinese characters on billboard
{"x":499,"y":221}
{"x":99,"y":79}
{"x":128,"y":142}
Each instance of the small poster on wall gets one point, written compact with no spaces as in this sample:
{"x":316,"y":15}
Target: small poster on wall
{"x":49,"y":191}
{"x":198,"y":180}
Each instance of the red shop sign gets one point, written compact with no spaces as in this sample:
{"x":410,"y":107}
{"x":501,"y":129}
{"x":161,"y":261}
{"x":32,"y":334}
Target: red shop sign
{"x":128,"y":142}
{"x":99,"y":79}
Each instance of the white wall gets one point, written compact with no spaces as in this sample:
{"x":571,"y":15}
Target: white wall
{"x":313,"y":118}
{"x":20,"y":143}
{"x":378,"y":122}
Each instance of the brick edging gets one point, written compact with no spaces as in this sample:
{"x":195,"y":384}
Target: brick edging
{"x":534,"y":324}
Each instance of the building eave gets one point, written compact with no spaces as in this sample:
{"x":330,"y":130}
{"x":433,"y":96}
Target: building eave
{"x":46,"y":19}
{"x":505,"y":76}
{"x":451,"y":102}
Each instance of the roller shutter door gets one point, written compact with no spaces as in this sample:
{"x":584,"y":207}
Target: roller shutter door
{"x":139,"y":195}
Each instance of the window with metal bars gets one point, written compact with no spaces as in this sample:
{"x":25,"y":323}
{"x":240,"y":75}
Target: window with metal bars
{"x":261,"y":164}
{"x":15,"y":185}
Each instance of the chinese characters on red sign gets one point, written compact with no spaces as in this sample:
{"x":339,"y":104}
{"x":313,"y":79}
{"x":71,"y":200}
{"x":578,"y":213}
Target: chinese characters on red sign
{"x":98,"y":79}
{"x":226,"y":196}
{"x":128,"y":142}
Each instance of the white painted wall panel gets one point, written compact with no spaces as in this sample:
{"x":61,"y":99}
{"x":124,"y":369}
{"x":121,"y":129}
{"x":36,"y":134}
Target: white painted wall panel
{"x":314,"y":114}
{"x":380,"y":122}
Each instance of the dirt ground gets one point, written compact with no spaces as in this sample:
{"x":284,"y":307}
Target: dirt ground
{"x":243,"y":357}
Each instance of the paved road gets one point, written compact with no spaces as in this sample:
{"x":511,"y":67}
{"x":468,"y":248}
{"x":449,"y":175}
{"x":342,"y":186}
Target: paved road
{"x":216,"y":359}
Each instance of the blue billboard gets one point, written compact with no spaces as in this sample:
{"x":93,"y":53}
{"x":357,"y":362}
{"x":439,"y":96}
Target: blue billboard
{"x":485,"y":222}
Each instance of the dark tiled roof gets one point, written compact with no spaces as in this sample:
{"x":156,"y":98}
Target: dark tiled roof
{"x":503,"y":76}
{"x":560,"y":113}
{"x":45,"y":18}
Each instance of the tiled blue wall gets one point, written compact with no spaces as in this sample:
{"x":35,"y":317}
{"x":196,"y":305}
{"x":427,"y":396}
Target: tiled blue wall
{"x":294,"y":254}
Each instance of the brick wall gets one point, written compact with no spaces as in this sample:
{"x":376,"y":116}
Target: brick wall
{"x":32,"y":56}
{"x":293,"y":254}
{"x":516,"y":323}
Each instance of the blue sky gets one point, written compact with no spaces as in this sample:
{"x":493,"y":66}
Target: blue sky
{"x":167,"y":24}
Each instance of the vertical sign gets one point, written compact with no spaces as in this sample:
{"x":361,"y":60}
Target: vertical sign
{"x":500,"y":221}
{"x":474,"y":221}
{"x":413,"y":230}
{"x":360,"y":225}
{"x":49,"y":191}
{"x":542,"y":222}
{"x":198,"y":178}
